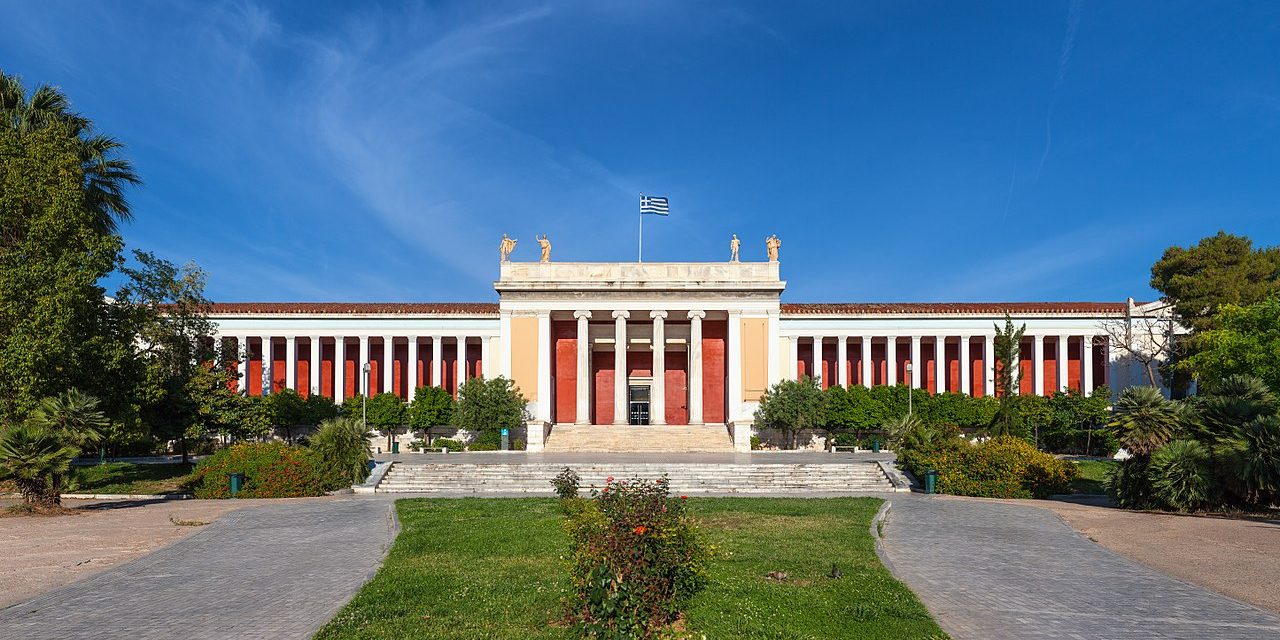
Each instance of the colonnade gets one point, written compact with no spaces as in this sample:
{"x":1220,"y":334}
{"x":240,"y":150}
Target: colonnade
{"x":1087,"y":344}
{"x":364,"y":361}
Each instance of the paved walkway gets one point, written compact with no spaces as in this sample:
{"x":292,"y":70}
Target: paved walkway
{"x":272,"y":571}
{"x":991,"y":569}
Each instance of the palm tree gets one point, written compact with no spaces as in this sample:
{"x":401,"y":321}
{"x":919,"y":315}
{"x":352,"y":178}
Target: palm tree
{"x":1144,"y":420}
{"x":34,"y":457}
{"x":106,"y":174}
{"x":73,"y":417}
{"x":1229,"y":405}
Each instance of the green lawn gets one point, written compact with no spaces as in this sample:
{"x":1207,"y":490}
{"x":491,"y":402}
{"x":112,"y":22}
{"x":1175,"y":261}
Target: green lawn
{"x":1092,"y":475}
{"x":493,"y":569}
{"x":130,"y":478}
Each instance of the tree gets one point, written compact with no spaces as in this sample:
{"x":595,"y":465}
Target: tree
{"x":33,"y":457}
{"x":490,"y":405}
{"x":431,"y":407}
{"x":286,"y":410}
{"x":1008,"y":349}
{"x":388,"y":413}
{"x":73,"y":417}
{"x":1244,"y":341}
{"x":1073,"y":416}
{"x":1220,"y":270}
{"x":341,"y":447}
{"x":52,"y":256}
{"x":1144,"y":420}
{"x":317,"y":408}
{"x":166,"y":306}
{"x":1230,"y":404}
{"x":792,"y":406}
{"x":104,"y":173}
{"x":1148,"y":339}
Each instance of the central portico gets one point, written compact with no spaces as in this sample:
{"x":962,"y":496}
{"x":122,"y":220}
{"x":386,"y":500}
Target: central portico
{"x":661,"y":343}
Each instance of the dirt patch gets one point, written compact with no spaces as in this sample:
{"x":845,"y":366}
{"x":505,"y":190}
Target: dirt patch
{"x":1239,"y":558}
{"x":46,"y":552}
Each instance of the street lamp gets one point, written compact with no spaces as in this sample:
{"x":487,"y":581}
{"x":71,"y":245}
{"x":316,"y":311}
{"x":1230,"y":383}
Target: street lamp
{"x":364,"y":396}
{"x":910,"y":387}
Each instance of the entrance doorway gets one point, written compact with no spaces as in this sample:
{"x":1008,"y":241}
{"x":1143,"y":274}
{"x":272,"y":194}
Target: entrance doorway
{"x":638,"y":402}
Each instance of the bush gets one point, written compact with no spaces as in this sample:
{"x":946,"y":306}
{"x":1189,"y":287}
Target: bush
{"x":1003,"y":467}
{"x":1181,"y":475}
{"x":566,"y":483}
{"x":452,"y":445}
{"x":1129,"y":484}
{"x":431,"y":407}
{"x":341,"y":449}
{"x":486,"y":441}
{"x":791,"y":406}
{"x":489,"y":406}
{"x":272,"y":470}
{"x":637,"y":559}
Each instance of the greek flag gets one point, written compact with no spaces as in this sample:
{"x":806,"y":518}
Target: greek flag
{"x":656,"y":205}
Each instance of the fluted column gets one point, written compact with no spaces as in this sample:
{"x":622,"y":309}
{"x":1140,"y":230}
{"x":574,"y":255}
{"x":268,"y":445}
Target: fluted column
{"x":339,"y":368}
{"x":620,"y":413}
{"x":891,"y":360}
{"x":988,"y":365}
{"x":733,"y":364}
{"x":583,"y":414}
{"x":866,"y":361}
{"x":940,"y":364}
{"x":314,"y":369}
{"x":793,"y":344}
{"x":291,"y":363}
{"x":1037,"y":359}
{"x":842,"y":357}
{"x":915,"y":361}
{"x":965,"y":373}
{"x":1062,"y":362}
{"x":546,"y":400}
{"x":268,"y":363}
{"x":364,"y":363}
{"x":658,"y":392}
{"x":460,"y":363}
{"x":437,"y":361}
{"x":242,"y":363}
{"x":816,"y":371}
{"x":695,"y":366}
{"x":412,"y":367}
{"x":388,"y":364}
{"x":1086,"y":365}
{"x":485,"y":366}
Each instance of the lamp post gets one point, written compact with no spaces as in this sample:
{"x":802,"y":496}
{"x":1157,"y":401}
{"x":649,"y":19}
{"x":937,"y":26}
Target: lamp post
{"x":364,"y":396}
{"x":910,"y":387}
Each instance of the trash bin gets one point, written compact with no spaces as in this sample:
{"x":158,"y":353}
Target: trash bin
{"x":931,"y":481}
{"x":875,"y":446}
{"x":395,"y":447}
{"x":237,"y":483}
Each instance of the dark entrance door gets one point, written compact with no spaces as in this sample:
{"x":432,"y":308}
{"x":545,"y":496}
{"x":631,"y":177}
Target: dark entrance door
{"x":638,"y":400}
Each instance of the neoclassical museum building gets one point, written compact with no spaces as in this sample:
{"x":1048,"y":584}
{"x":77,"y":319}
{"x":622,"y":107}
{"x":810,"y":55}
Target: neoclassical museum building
{"x":662,"y":343}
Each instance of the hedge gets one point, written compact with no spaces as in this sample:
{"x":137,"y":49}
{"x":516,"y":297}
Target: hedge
{"x":1003,"y":467}
{"x":272,"y":470}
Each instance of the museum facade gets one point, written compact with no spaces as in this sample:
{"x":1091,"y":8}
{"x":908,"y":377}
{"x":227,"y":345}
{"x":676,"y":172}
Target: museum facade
{"x":688,"y":343}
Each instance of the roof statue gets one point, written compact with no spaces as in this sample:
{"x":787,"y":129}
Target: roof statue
{"x":505,"y":248}
{"x":546,"y":248}
{"x":733,"y":248}
{"x":772,"y":244}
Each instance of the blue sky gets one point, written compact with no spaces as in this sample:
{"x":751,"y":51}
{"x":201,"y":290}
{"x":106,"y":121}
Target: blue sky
{"x":924,"y":151}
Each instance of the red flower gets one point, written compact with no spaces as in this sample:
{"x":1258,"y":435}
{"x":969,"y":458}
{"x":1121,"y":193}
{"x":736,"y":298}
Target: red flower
{"x":609,"y":479}
{"x":640,"y":530}
{"x":684,"y":497}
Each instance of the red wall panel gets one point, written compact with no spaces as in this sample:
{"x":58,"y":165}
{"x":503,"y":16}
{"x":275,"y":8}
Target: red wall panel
{"x":952,"y":354}
{"x":564,"y":370}
{"x":602,"y":374}
{"x":303,"y":381}
{"x":715,"y":333}
{"x":977,"y":370}
{"x":1050,"y":365}
{"x":879,"y":364}
{"x":1073,"y":364}
{"x":254,"y":374}
{"x":278,"y":371}
{"x":903,"y":356}
{"x":1027,"y":366}
{"x":449,"y":367}
{"x":804,"y":359}
{"x":676,"y":398}
{"x":829,"y":375}
{"x":326,"y":369}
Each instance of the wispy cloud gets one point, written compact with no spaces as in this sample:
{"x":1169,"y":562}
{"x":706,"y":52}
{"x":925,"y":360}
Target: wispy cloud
{"x":1064,"y":59}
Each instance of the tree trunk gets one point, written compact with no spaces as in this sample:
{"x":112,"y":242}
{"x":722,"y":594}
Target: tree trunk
{"x":182,"y":444}
{"x":1151,"y":375}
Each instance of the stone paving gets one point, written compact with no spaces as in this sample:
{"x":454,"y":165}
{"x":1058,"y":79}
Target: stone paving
{"x":989,"y":569}
{"x":271,"y":571}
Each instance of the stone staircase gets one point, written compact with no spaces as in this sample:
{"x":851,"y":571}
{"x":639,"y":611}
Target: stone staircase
{"x":686,"y":478}
{"x":627,"y":438}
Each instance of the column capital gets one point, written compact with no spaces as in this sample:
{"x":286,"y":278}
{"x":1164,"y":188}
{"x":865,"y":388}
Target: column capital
{"x":1038,"y":338}
{"x":698,"y":314}
{"x":581,"y":313}
{"x":658,"y":313}
{"x":621,"y":313}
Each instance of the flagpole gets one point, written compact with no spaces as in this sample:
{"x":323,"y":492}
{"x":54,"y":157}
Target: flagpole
{"x":640,"y":245}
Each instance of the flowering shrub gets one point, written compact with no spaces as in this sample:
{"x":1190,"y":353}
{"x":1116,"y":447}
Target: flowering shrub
{"x":566,"y":483}
{"x":272,"y":470}
{"x":636,"y":559}
{"x":1003,"y":467}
